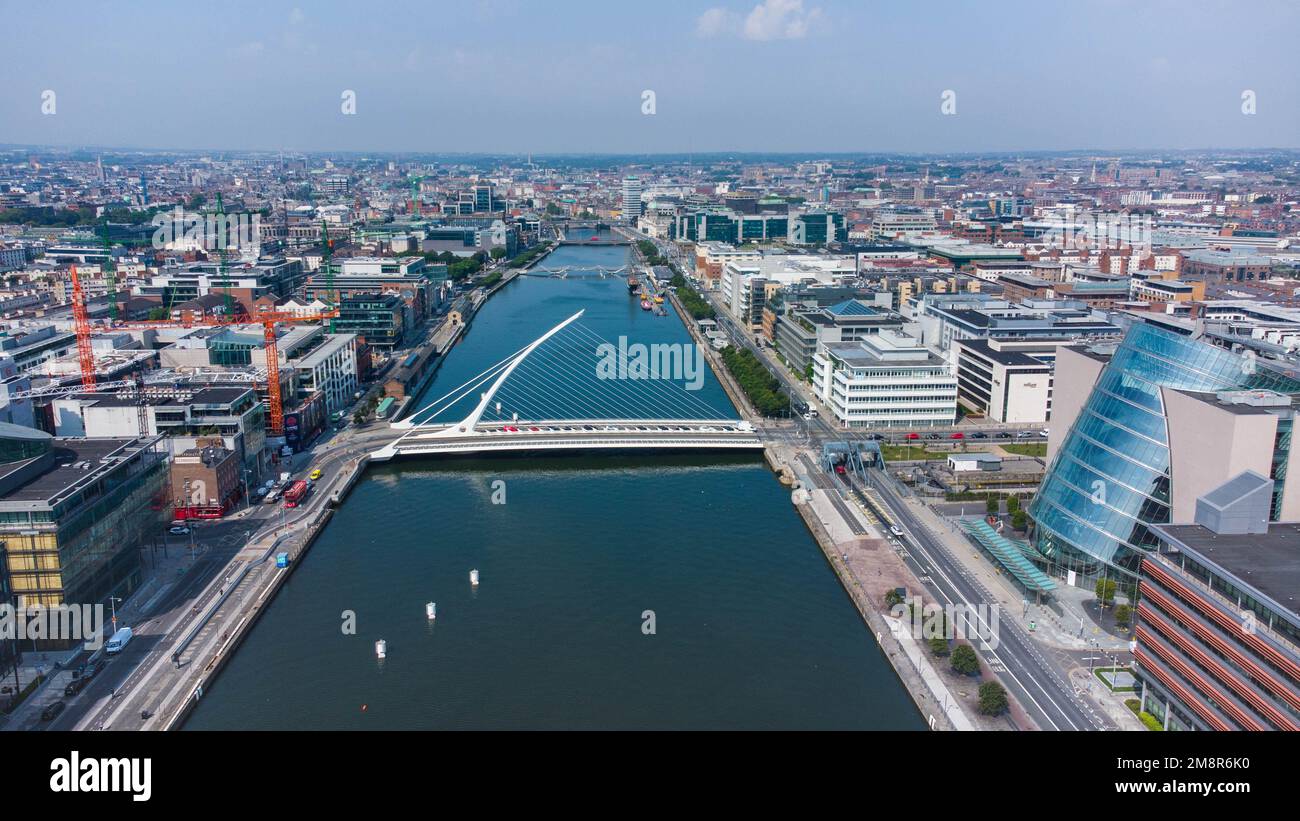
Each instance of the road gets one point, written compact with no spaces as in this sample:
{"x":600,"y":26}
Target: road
{"x":1038,"y":683}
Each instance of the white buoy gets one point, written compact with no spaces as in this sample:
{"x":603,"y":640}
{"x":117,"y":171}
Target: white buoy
{"x":473,"y":578}
{"x":431,"y":610}
{"x":381,"y":648}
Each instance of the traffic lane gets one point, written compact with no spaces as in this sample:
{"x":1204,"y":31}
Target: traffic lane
{"x":117,"y":669}
{"x":1057,"y":703}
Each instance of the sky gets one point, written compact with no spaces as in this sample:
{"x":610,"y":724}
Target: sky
{"x":571,"y":76}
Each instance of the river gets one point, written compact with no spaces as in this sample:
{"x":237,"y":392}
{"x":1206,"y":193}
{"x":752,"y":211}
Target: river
{"x":641,"y":592}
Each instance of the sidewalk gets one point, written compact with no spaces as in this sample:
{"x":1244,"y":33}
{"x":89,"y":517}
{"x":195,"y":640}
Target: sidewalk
{"x":1056,"y":624}
{"x":869,"y":568}
{"x":56,"y":666}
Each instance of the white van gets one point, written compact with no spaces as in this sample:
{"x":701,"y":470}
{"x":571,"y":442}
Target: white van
{"x":119,"y":641}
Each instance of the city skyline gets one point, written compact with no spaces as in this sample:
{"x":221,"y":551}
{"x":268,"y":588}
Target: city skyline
{"x":739,"y":77}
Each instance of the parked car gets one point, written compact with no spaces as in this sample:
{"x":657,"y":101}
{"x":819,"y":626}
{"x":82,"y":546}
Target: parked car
{"x":979,"y":434}
{"x":896,"y":530}
{"x":89,"y":671}
{"x":1003,"y":435}
{"x":52,"y":711}
{"x":75,"y":686}
{"x":958,"y":435}
{"x":932,"y":436}
{"x":913,"y":436}
{"x":179,"y":531}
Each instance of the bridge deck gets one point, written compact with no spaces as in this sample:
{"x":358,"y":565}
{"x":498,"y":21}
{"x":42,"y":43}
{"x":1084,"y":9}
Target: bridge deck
{"x":590,"y":434}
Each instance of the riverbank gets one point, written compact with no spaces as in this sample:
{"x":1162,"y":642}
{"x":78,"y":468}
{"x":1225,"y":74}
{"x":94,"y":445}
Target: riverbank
{"x":241,"y":604}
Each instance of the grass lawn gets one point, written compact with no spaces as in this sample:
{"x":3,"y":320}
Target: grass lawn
{"x":1038,"y":449}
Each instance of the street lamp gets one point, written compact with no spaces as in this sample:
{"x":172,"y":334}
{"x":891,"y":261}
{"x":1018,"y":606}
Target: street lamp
{"x":112,"y":603}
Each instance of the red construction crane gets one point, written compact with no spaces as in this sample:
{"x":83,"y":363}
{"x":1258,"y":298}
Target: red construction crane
{"x":81,"y":322}
{"x":268,"y":321}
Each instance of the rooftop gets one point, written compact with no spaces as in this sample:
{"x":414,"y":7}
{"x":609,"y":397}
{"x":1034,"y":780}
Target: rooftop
{"x":1268,"y":562}
{"x":75,"y":461}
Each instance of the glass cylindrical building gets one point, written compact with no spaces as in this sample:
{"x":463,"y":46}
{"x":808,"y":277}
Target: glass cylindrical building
{"x":1111,"y":475}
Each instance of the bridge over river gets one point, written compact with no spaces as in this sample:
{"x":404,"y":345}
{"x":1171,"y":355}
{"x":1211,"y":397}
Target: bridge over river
{"x":570,"y":390}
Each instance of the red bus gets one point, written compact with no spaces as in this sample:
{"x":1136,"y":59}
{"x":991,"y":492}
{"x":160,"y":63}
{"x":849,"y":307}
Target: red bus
{"x":296,"y":493}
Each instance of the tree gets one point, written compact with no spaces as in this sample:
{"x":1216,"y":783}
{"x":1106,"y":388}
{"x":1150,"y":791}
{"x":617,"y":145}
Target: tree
{"x":159,"y":313}
{"x":498,"y":252}
{"x":358,"y":417}
{"x":992,"y":506}
{"x":1123,"y":615}
{"x":1013,"y":504}
{"x":964,"y":660}
{"x":1019,"y":519}
{"x":939,"y":646}
{"x":1105,"y":590}
{"x":892,"y":598}
{"x":993,"y":699}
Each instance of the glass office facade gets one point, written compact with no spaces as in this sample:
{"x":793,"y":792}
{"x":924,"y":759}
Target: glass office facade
{"x":1110,"y":479}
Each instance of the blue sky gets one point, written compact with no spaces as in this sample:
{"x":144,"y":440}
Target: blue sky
{"x":728,"y":75}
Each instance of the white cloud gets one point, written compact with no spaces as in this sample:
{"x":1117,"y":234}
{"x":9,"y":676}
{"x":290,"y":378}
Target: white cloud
{"x":780,"y":20}
{"x":716,"y":21}
{"x":769,"y":20}
{"x":296,"y":16}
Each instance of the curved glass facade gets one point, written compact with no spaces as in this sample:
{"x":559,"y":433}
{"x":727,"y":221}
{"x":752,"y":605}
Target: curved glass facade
{"x":1110,"y":478}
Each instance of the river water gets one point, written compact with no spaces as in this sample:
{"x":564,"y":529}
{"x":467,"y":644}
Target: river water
{"x":645,"y":592}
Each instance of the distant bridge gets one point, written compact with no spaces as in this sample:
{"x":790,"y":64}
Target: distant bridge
{"x":564,"y":271}
{"x":521,"y":414}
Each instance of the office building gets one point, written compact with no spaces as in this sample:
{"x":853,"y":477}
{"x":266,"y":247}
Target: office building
{"x":1218,"y":630}
{"x":1128,"y":443}
{"x":797,"y":334}
{"x":74,"y":514}
{"x":1008,"y":381}
{"x":885,"y":380}
{"x":631,"y":199}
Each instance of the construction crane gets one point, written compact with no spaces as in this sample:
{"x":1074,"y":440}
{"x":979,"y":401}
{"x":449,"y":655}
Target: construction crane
{"x":327,"y":249}
{"x":268,"y":321}
{"x":415,"y":195}
{"x":81,"y":323}
{"x":222,"y":273}
{"x":110,"y":276}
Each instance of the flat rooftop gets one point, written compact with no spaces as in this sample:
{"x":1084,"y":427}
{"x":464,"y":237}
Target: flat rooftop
{"x":1268,"y":562}
{"x":64,"y":475}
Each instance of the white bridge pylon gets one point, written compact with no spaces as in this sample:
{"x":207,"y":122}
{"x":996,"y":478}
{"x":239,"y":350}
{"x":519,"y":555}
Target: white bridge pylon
{"x":472,"y":434}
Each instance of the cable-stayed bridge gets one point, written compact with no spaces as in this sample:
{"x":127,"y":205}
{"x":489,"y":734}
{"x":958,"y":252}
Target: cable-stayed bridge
{"x":572,"y":390}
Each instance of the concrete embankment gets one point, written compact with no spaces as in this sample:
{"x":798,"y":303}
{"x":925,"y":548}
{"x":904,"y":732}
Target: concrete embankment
{"x":246,"y":600}
{"x":711,"y":355}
